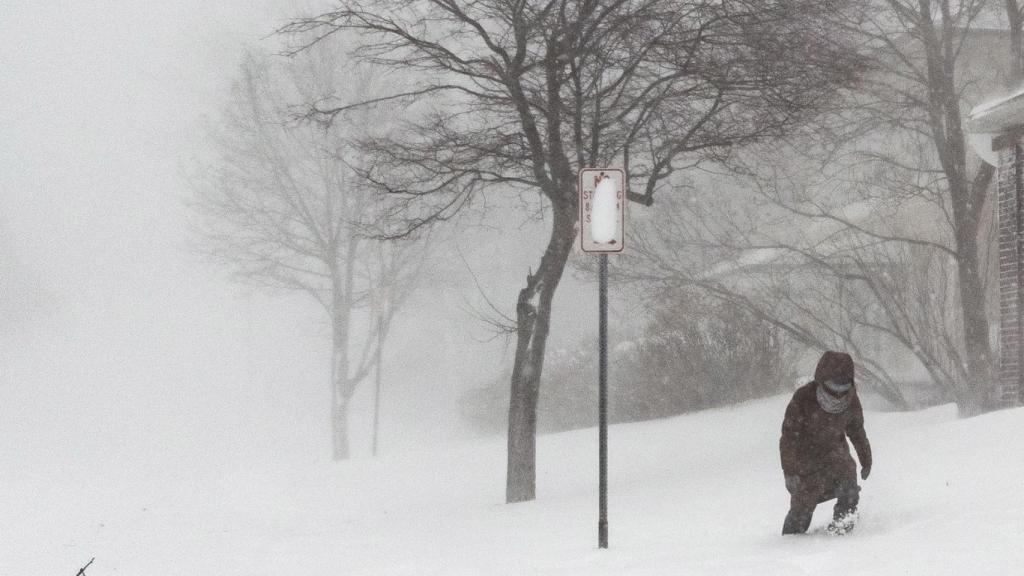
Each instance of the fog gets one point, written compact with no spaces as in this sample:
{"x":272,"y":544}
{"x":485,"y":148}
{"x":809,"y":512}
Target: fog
{"x":159,"y":415}
{"x":118,"y":341}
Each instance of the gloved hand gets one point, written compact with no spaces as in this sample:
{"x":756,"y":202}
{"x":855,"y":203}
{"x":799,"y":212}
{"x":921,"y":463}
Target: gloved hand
{"x":792,"y":483}
{"x":864,"y":472}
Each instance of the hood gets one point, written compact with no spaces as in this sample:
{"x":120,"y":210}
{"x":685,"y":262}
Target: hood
{"x":835,"y":366}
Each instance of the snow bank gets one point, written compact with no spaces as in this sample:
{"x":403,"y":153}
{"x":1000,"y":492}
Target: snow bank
{"x":697,"y":494}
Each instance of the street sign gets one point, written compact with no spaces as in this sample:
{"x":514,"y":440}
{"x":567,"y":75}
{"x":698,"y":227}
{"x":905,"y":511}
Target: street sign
{"x":602,"y":198}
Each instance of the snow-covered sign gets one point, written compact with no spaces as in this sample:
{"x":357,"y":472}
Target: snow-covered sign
{"x":602,"y":209}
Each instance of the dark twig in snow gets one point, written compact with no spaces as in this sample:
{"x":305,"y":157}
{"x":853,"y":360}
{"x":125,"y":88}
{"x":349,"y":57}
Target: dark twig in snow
{"x":82,"y":571}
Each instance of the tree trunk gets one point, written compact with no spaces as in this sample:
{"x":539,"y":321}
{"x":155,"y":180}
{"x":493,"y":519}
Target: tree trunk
{"x":971,"y":397}
{"x":341,"y":314}
{"x":339,"y":432}
{"x":1016,"y":22}
{"x":340,"y":385}
{"x":339,"y":404}
{"x":967,"y":201}
{"x":533,"y":317}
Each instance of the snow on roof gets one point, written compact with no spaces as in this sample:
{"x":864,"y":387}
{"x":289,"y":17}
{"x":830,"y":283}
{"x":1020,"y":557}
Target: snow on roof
{"x":998,"y":114}
{"x":747,"y":259}
{"x":859,"y":213}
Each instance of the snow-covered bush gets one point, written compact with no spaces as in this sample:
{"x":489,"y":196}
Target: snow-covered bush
{"x":693,"y":354}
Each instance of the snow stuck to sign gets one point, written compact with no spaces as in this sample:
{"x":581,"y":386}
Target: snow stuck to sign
{"x":698,"y":495}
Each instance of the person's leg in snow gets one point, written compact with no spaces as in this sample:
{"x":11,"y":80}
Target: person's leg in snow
{"x":798,"y":519}
{"x":844,"y":515}
{"x":803,"y":500}
{"x":816,"y":489}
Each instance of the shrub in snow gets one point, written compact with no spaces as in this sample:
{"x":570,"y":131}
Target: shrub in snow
{"x":693,"y":354}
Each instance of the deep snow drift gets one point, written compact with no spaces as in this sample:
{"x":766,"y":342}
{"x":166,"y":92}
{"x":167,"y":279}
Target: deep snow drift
{"x":697,"y":494}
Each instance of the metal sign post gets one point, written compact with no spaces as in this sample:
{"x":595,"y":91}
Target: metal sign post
{"x":602,"y":230}
{"x":602,"y":405}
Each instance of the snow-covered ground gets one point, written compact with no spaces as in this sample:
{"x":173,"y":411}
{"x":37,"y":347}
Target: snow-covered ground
{"x":698,"y":494}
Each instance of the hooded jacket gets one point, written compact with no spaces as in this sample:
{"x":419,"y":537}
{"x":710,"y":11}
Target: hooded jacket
{"x":814,"y":441}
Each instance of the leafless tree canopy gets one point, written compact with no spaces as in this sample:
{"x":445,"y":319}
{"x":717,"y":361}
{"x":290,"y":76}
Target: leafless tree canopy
{"x":523,"y":94}
{"x":281,"y":207}
{"x":519,"y":95}
{"x":879,"y":208}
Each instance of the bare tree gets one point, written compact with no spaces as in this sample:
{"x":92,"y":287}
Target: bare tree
{"x":885,"y":231}
{"x":920,"y":45}
{"x":280,"y":206}
{"x":828,"y":285}
{"x":896,"y":151}
{"x":518,"y":95}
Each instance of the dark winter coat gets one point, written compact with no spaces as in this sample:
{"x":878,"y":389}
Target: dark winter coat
{"x":813,"y":442}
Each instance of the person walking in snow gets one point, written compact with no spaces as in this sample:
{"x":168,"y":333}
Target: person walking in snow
{"x":816,"y":459}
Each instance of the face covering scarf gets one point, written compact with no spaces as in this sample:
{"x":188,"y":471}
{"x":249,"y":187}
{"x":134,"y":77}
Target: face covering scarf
{"x":830,"y":403}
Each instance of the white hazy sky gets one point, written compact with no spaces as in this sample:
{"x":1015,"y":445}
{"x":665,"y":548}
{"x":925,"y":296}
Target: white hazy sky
{"x":140,"y":348}
{"x":135,"y":346}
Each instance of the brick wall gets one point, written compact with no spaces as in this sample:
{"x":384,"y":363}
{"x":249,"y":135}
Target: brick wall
{"x":1011,"y":270}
